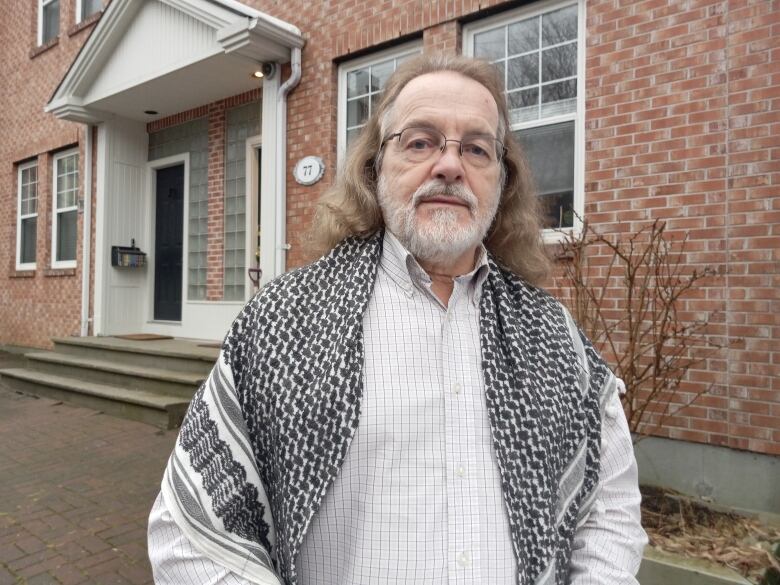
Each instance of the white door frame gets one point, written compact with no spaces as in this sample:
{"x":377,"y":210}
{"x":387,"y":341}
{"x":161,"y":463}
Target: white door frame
{"x":253,"y":201}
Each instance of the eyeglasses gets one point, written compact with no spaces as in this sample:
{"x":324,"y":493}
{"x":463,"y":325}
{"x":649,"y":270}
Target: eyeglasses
{"x":418,"y":145}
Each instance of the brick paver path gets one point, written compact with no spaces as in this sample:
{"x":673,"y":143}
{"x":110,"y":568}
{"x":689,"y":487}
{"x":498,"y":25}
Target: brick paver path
{"x":76,"y":487}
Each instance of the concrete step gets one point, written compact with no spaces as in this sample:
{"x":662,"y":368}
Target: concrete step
{"x":160,"y":410}
{"x":168,"y":354}
{"x":154,"y":380}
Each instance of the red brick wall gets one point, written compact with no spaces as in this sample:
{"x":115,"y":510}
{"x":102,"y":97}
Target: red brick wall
{"x":683,"y":115}
{"x":37,"y":305}
{"x":683,"y":119}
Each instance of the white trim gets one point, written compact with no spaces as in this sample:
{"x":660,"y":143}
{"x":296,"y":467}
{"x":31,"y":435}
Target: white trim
{"x":41,"y":4}
{"x":86,"y":231}
{"x":578,"y":117}
{"x":253,"y":202}
{"x":19,"y":218}
{"x":55,"y":211}
{"x":100,"y":230}
{"x":269,"y":182}
{"x":359,"y":63}
{"x":151,"y":171}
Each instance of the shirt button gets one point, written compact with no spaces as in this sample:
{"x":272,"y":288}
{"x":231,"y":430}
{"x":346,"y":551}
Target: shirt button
{"x":464,"y":559}
{"x":461,"y":471}
{"x":456,"y":388}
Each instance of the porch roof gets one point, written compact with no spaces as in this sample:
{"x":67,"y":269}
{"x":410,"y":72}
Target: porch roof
{"x":168,"y":56}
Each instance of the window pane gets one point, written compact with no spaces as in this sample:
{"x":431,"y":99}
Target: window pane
{"x":29,"y":227}
{"x":352,"y":135}
{"x":375,"y":99}
{"x":559,"y":26}
{"x":549,"y":151}
{"x":67,"y":181}
{"x":559,"y":98}
{"x":66,"y":235}
{"x":559,"y":62}
{"x":523,"y":71}
{"x":51,"y":21}
{"x":364,"y":92}
{"x":524,"y":36}
{"x":90,"y":7}
{"x":501,"y":66}
{"x":523,"y":105}
{"x":380,"y":73}
{"x":357,"y":112}
{"x":357,"y":83}
{"x":490,"y":45}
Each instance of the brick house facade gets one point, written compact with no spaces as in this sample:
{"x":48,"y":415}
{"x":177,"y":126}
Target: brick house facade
{"x":672,"y":112}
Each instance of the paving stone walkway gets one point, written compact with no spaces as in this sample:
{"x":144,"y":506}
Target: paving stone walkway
{"x":76,"y":487}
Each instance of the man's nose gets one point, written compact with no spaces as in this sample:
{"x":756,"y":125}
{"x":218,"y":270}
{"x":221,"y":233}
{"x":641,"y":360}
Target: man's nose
{"x":449,"y":165}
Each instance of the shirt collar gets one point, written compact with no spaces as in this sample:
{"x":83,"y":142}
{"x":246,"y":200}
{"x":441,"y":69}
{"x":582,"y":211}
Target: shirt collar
{"x":406,"y":272}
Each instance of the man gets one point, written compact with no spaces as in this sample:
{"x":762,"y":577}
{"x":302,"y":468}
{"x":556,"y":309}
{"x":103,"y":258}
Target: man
{"x":409,"y":408}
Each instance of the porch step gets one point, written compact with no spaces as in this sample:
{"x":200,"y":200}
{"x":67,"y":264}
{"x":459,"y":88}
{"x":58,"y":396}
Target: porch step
{"x":169,"y":354}
{"x":90,"y":369}
{"x":158,"y":409}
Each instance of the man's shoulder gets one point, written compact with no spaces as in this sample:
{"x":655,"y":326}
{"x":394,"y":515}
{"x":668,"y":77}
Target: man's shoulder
{"x":345,"y":265}
{"x":523,"y":291}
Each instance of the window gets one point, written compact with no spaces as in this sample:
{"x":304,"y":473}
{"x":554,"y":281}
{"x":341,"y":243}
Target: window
{"x":86,"y":8}
{"x":27,"y":217}
{"x":64,"y":209}
{"x":539,"y":54}
{"x":360,"y":85}
{"x":48,"y":20}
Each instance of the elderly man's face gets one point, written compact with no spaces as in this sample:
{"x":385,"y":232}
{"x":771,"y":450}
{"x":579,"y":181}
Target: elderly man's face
{"x":441,"y":207}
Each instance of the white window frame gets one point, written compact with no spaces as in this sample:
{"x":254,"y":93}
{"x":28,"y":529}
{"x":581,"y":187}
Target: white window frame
{"x":79,"y":10}
{"x":41,"y":4}
{"x":55,"y":211}
{"x":20,"y":217}
{"x":578,"y":117}
{"x":415,"y":47}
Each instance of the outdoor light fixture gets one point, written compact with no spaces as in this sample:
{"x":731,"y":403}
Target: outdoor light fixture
{"x":151,"y":112}
{"x":257,"y":74}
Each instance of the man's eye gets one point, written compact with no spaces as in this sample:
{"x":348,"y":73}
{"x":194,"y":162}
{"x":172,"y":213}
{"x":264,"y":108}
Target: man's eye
{"x":419,"y":144}
{"x":476,"y":150}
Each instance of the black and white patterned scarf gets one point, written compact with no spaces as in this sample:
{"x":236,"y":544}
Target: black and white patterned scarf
{"x":266,"y":434}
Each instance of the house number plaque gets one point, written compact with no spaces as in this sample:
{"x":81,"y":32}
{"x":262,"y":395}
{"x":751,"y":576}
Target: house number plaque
{"x":309,"y":170}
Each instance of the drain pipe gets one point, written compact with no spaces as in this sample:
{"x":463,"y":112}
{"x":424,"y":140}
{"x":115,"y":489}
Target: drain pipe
{"x":86,"y":250}
{"x":281,"y":163}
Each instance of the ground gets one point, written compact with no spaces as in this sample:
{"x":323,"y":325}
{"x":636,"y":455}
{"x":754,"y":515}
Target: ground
{"x":76,"y":488}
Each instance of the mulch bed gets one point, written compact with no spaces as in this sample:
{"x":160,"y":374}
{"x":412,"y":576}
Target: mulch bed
{"x":677,"y":524}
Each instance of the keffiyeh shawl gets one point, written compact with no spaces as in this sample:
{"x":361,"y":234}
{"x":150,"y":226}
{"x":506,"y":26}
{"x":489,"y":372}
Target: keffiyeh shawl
{"x":266,"y":433}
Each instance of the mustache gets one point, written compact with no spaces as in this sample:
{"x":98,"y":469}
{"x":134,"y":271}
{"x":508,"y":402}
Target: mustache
{"x":434,"y":189}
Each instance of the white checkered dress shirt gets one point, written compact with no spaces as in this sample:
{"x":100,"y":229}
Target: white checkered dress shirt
{"x":418,"y":498}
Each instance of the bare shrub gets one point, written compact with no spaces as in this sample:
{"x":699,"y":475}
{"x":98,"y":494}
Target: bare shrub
{"x":626,"y":293}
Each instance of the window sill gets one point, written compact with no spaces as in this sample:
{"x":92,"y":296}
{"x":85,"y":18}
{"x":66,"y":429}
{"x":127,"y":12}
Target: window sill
{"x":27,"y":273}
{"x":35,"y":51}
{"x":87,"y":22}
{"x":59,"y":272}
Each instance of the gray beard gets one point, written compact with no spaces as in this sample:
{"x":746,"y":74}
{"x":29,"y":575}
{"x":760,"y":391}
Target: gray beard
{"x":441,"y":239}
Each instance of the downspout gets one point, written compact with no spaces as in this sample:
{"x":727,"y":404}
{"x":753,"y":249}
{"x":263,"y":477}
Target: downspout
{"x":281,"y":167}
{"x":86,"y":253}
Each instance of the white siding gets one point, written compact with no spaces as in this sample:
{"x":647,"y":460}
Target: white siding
{"x":161,"y":39}
{"x":124,"y":214}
